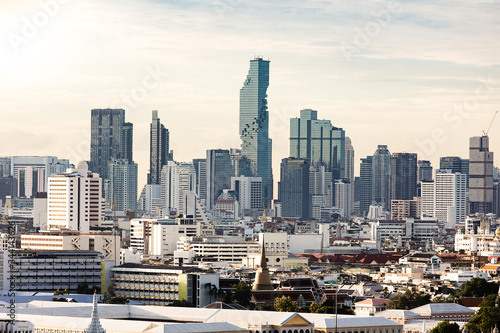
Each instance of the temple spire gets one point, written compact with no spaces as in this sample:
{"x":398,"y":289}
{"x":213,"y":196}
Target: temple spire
{"x":263,"y":277}
{"x":95,"y":324}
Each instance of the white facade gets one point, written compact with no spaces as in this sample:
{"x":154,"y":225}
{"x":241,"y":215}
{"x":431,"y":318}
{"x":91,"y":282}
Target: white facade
{"x":123,"y":177}
{"x":51,"y":164}
{"x":175,"y":179}
{"x":218,"y":248}
{"x":249,"y":191}
{"x":107,"y":244}
{"x":159,"y":237}
{"x":75,"y":200}
{"x":446,"y":197}
{"x":343,"y":197}
{"x":461,"y":277}
{"x":425,"y":229}
{"x":40,"y":213}
{"x":150,"y":199}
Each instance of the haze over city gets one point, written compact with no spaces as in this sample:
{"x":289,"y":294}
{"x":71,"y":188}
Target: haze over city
{"x":386,"y":72}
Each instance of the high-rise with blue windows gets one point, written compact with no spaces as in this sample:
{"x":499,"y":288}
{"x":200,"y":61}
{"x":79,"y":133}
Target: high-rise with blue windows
{"x":254,"y":127}
{"x":319,"y":142}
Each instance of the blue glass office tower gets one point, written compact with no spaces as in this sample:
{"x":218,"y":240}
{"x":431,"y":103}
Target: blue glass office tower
{"x":318,"y":141}
{"x":254,"y":126}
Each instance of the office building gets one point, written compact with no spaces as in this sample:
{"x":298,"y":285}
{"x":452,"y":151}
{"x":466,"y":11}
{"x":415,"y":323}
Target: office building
{"x":401,"y":209}
{"x":8,"y":187}
{"x":30,"y":181}
{"x":150,"y":200}
{"x":381,"y":162}
{"x":176,"y":178}
{"x":343,"y":196}
{"x":321,"y":189}
{"x":123,"y":182}
{"x":249,"y":192}
{"x":110,"y":139}
{"x":75,"y":200}
{"x":293,"y":189}
{"x":365,"y":185}
{"x":319,"y":142}
{"x":164,"y":284}
{"x":254,"y":127}
{"x":219,"y":173}
{"x":445,"y":198}
{"x":403,"y":176}
{"x":455,"y":164}
{"x":200,"y":165}
{"x":50,"y":270}
{"x":424,"y":170}
{"x":127,"y":142}
{"x":159,"y":236}
{"x":159,"y":143}
{"x":480,"y":176}
{"x":50,"y":165}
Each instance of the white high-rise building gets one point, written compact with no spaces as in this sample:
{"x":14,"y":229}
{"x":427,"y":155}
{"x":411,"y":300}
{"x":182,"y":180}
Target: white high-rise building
{"x":445,"y":198}
{"x":75,"y":200}
{"x":249,"y":191}
{"x":123,"y":177}
{"x":51,"y":164}
{"x":150,"y":199}
{"x":175,"y":179}
{"x":343,"y":196}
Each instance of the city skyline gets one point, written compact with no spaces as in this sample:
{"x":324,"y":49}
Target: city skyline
{"x":398,"y":89}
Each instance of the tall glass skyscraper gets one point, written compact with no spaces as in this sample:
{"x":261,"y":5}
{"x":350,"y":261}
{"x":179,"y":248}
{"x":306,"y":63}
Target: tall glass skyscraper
{"x":254,"y":126}
{"x":159,"y":149}
{"x":110,"y":139}
{"x":381,"y":176}
{"x":318,"y":141}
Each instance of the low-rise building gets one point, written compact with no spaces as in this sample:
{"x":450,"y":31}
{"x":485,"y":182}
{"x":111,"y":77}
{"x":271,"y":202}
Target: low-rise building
{"x":49,"y":270}
{"x":162,"y":285}
{"x":370,"y":306}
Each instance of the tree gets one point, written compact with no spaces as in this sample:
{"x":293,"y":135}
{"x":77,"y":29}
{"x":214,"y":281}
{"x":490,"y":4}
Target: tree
{"x":242,"y":293}
{"x":442,"y":299}
{"x":408,"y":300}
{"x":487,"y":317}
{"x":477,"y":287}
{"x":285,"y":304}
{"x":446,"y":327}
{"x":111,"y":298}
{"x":314,"y":307}
{"x":212,"y":290}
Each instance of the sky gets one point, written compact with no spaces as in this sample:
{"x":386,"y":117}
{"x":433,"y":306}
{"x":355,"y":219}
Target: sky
{"x":418,"y":76}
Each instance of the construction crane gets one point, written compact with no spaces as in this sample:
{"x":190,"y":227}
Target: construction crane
{"x":492,"y":120}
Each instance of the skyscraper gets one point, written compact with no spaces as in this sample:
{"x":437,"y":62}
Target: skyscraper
{"x":318,"y":141}
{"x":110,"y":139}
{"x":480,"y":176}
{"x":200,"y":165}
{"x":293,"y":189}
{"x":159,"y":144}
{"x":424,"y":170}
{"x":365,"y":185}
{"x":176,"y":180}
{"x":127,"y":142}
{"x":254,"y":126}
{"x":403,"y":176}
{"x":219,"y":173}
{"x":381,"y":176}
{"x":123,"y":177}
{"x":445,"y":198}
{"x":75,"y":200}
